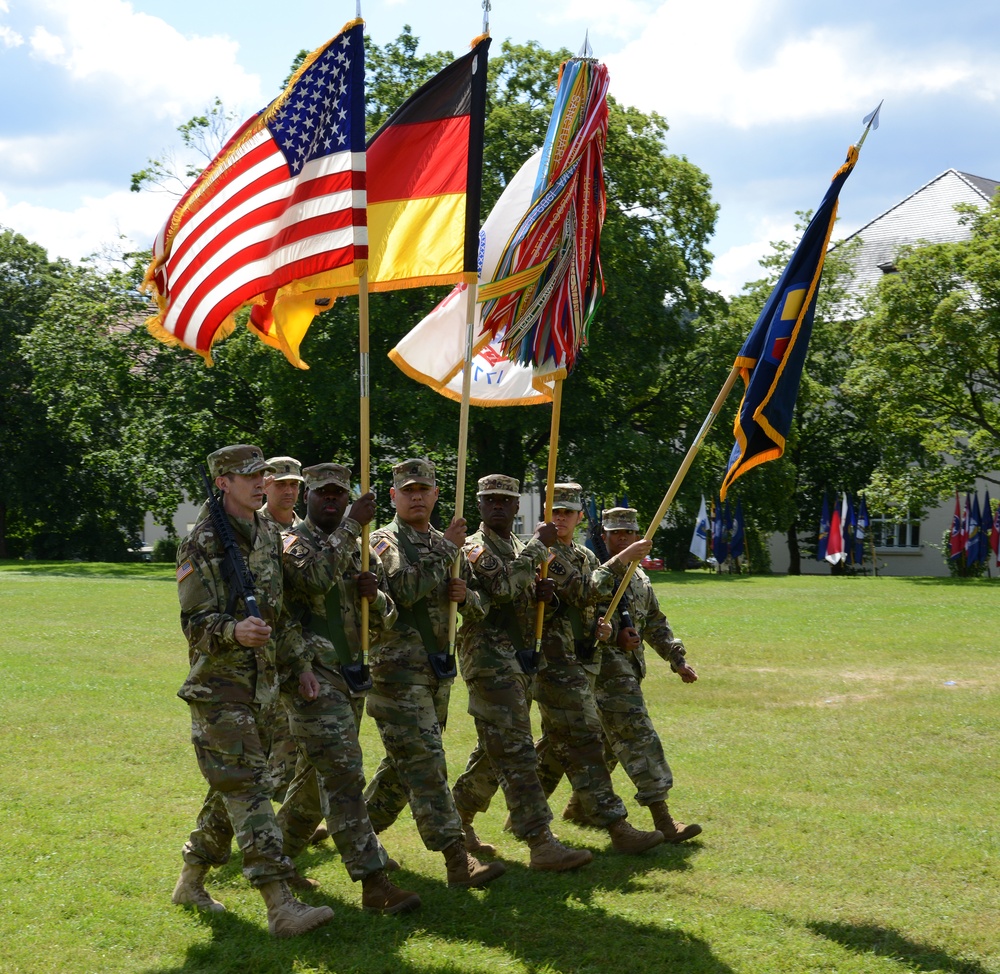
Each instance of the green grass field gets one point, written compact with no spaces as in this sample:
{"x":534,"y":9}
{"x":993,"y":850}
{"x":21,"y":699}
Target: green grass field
{"x":840,"y":751}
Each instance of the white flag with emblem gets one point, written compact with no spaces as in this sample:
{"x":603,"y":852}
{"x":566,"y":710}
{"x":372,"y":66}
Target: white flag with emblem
{"x":433,"y":352}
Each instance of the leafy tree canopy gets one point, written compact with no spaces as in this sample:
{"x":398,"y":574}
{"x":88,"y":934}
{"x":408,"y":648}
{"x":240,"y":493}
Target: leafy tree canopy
{"x":140,"y":416}
{"x":927,"y":364}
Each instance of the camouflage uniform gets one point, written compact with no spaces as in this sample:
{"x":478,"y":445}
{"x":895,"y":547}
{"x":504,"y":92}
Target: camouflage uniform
{"x":408,"y":701}
{"x":283,"y":752}
{"x":572,"y":737}
{"x":500,"y":691}
{"x":627,"y":726}
{"x":329,"y":779}
{"x":227,"y":686}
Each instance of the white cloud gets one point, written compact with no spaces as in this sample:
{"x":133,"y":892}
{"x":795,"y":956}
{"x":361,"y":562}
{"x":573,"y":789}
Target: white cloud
{"x":47,"y":46}
{"x":738,"y":265}
{"x":142,"y":61}
{"x":26,"y":156}
{"x":113,"y":86}
{"x":741,"y":63}
{"x":10,"y":37}
{"x":599,"y":18}
{"x":96,"y":223}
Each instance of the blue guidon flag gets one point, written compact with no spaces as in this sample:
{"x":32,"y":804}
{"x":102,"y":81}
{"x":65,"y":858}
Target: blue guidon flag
{"x":771,"y":359}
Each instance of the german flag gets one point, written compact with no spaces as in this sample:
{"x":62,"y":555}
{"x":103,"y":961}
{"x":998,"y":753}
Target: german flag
{"x":424,"y":181}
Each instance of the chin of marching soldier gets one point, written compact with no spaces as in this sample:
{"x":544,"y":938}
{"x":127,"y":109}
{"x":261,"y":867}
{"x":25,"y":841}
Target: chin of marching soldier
{"x":324,"y":585}
{"x":497,"y":662}
{"x":572,"y":737}
{"x":232,"y":676}
{"x":412,"y":674}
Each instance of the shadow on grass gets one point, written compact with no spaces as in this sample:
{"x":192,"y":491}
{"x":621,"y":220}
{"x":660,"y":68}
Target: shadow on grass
{"x":159,"y":572}
{"x":541,"y":920}
{"x":949,"y":582}
{"x":865,"y":938}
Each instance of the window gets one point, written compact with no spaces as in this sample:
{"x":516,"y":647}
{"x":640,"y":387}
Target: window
{"x":896,"y":534}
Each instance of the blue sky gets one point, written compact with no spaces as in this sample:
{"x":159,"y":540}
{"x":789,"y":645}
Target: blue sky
{"x":763,"y":95}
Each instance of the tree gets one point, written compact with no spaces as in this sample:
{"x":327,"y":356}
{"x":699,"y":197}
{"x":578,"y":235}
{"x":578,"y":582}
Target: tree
{"x":88,"y":372}
{"x":145,"y":415}
{"x":830,"y":445}
{"x":28,"y":441}
{"x":201,"y":139}
{"x":928,"y":365}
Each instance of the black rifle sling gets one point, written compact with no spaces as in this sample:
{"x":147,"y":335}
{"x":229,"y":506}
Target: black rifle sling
{"x":503,"y":616}
{"x":417,"y":616}
{"x":331,"y":627}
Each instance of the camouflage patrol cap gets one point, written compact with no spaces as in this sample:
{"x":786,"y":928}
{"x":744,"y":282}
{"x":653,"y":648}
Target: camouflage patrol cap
{"x":497,"y":483}
{"x":286,"y":468}
{"x":241,"y":458}
{"x":321,"y":474}
{"x":413,"y":471}
{"x":567,"y":497}
{"x":620,"y":519}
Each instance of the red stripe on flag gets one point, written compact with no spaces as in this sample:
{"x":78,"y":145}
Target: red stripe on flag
{"x":222,"y":232}
{"x":338,"y":257}
{"x":437,"y":160}
{"x":302,"y":231}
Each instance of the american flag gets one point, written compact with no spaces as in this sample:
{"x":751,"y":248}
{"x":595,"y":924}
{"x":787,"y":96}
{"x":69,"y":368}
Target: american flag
{"x":282,"y":204}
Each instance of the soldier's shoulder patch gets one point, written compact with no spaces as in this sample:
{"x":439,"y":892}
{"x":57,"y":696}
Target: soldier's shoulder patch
{"x":288,"y":541}
{"x":488,"y":562}
{"x":550,"y":556}
{"x":183,"y":570}
{"x":474,"y":552}
{"x":556,"y":567}
{"x":381,"y":545}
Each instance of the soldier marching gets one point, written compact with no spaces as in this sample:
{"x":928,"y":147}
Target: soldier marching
{"x":306,"y":651}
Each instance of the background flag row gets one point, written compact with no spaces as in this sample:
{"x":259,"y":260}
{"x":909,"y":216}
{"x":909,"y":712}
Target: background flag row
{"x":975,"y":531}
{"x":842,"y":532}
{"x":726,"y":527}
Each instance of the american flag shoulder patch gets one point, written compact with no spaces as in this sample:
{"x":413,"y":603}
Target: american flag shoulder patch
{"x":184,"y":570}
{"x":287,"y":541}
{"x":381,"y":546}
{"x":474,"y":552}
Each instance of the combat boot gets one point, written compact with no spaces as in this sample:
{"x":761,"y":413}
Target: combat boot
{"x":287,"y":916}
{"x":466,"y":870}
{"x":548,"y":853}
{"x":300,"y":882}
{"x":573,"y":812}
{"x":378,"y":895}
{"x":673,"y":832}
{"x":190,"y":889}
{"x":626,"y":839}
{"x":472,"y":841}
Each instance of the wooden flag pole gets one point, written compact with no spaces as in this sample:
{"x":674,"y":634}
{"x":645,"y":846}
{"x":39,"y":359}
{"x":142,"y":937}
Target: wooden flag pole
{"x":363,"y":374}
{"x":675,"y":484}
{"x":463,"y":448}
{"x":550,"y":487}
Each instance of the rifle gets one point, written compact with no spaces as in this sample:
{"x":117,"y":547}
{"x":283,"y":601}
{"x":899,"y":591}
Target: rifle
{"x":601,"y":550}
{"x":235,"y":568}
